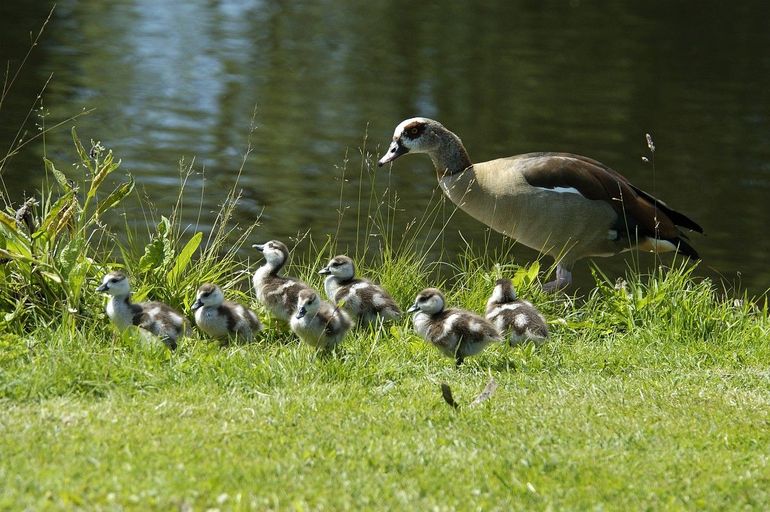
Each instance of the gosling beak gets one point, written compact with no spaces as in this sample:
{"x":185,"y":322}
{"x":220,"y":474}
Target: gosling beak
{"x":325,"y":271}
{"x":414,"y":307}
{"x":301,"y":312}
{"x":197,"y":304}
{"x":259,"y":247}
{"x":394,"y":151}
{"x":101,"y":288}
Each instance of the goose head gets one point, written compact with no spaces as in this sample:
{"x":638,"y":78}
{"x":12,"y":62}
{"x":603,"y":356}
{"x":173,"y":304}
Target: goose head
{"x":341,"y":267}
{"x":414,"y":135}
{"x":276,"y":253}
{"x":307,"y":303}
{"x":208,"y":295}
{"x":429,"y":301}
{"x":115,"y":283}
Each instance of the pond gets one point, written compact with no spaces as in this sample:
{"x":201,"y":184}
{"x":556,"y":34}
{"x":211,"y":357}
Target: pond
{"x":315,"y":85}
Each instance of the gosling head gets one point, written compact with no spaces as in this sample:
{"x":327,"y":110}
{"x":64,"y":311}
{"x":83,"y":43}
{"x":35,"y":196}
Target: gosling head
{"x":415,"y":135}
{"x":341,"y":267}
{"x":276,"y":253}
{"x":430,"y":301}
{"x":115,"y":283}
{"x":307,"y":303}
{"x":503,"y":291}
{"x":208,"y":295}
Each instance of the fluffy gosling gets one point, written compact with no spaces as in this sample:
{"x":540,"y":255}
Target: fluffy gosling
{"x":222,"y":319}
{"x":155,"y":317}
{"x":277,"y":293}
{"x":317,"y":322}
{"x":455,"y":332}
{"x":360,"y":298}
{"x":517,"y":316}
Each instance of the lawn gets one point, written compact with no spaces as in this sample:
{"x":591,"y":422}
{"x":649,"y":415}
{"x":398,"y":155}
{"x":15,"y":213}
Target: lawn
{"x":651,"y":416}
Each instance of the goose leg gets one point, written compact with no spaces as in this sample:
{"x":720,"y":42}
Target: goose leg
{"x":563,"y":279}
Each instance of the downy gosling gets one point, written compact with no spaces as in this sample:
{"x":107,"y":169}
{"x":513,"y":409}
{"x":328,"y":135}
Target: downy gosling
{"x":223,"y":319}
{"x":360,"y":298}
{"x":515,"y":316}
{"x":155,"y":317}
{"x":277,"y":293}
{"x":564,"y":205}
{"x":455,"y":332}
{"x":317,"y":322}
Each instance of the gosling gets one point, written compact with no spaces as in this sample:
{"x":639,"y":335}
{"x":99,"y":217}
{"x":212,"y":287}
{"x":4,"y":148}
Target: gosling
{"x":277,"y":293}
{"x":222,"y":319}
{"x":360,"y":298}
{"x":517,"y":316}
{"x":317,"y":322}
{"x":455,"y":332}
{"x":155,"y":317}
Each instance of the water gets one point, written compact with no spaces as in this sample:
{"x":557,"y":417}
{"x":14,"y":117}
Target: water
{"x":168,"y":81}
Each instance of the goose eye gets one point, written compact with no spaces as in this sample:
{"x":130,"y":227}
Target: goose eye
{"x":413,"y":130}
{"x":114,"y":280}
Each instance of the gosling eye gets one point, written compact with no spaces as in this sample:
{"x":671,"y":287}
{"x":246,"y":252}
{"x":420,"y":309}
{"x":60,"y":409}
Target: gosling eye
{"x":414,"y":131}
{"x":114,"y":280}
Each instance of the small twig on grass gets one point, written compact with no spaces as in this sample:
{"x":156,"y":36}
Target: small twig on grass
{"x":484,"y":396}
{"x":490,"y":388}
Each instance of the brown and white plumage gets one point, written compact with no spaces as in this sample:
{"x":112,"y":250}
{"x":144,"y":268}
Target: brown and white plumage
{"x":157,"y":318}
{"x":220,"y":318}
{"x":455,"y":332}
{"x":516,"y":316}
{"x":564,"y":205}
{"x":317,"y":322}
{"x":277,"y":293}
{"x":360,"y":298}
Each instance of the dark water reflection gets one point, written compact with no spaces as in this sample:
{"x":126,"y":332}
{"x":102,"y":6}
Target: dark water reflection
{"x":181,"y":80}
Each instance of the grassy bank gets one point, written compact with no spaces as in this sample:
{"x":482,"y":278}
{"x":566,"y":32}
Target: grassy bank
{"x":652,"y":393}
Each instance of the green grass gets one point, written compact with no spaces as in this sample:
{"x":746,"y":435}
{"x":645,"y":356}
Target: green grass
{"x":633,"y":403}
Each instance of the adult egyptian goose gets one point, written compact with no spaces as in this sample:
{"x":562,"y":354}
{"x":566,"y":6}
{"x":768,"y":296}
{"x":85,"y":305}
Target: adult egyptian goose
{"x":360,"y":298}
{"x":317,"y":322}
{"x":455,"y":332}
{"x":223,"y":319}
{"x":564,"y":205}
{"x":276,"y":292}
{"x":155,"y":317}
{"x":516,"y":316}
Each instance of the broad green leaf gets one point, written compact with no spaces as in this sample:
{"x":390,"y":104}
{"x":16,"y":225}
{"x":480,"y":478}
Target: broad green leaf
{"x":184,"y":257}
{"x":106,"y":168}
{"x":59,"y":176}
{"x":50,"y":275}
{"x":153,"y":255}
{"x":534,"y":270}
{"x":159,"y":251}
{"x":116,"y":196}
{"x":70,"y":254}
{"x":9,"y":222}
{"x":54,"y":216}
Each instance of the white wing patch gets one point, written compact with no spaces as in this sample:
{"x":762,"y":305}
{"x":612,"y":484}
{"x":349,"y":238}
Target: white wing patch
{"x":562,"y":190}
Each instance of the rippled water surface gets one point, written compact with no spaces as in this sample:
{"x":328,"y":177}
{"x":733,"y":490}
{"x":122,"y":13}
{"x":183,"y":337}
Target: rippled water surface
{"x":328,"y":81}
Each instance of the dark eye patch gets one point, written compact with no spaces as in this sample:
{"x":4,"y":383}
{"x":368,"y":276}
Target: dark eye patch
{"x":114,"y":279}
{"x":414,"y":130}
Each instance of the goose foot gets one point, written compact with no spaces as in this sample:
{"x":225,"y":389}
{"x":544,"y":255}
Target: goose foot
{"x":563,"y":279}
